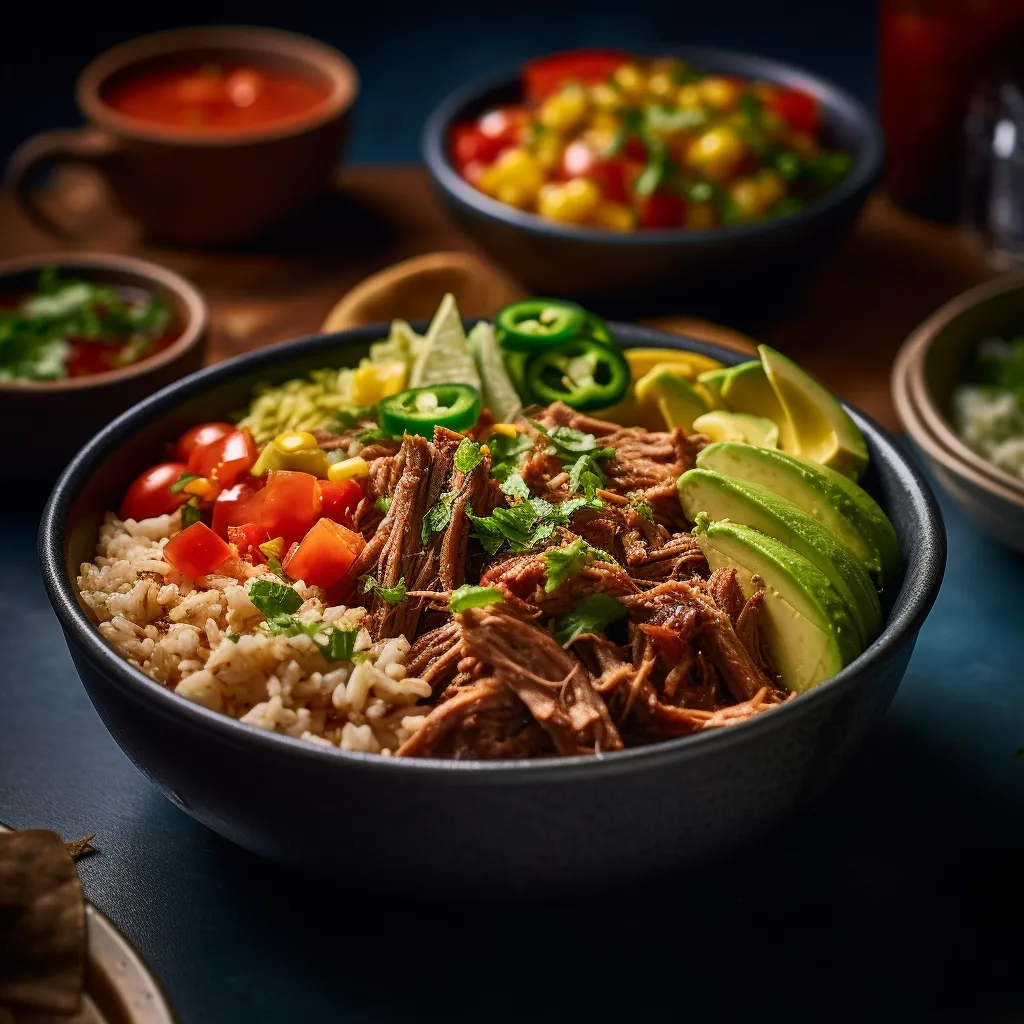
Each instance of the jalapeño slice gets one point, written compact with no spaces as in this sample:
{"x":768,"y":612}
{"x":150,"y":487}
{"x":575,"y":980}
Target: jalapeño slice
{"x":538,"y":323}
{"x":583,"y":373}
{"x":419,"y":410}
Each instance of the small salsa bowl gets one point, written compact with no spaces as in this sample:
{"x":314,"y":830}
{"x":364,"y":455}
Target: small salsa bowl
{"x":57,"y":415}
{"x":928,"y":367}
{"x":736,"y":270}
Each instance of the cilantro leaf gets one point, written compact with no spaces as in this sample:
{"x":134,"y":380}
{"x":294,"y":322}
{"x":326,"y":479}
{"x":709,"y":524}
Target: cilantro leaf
{"x":273,"y":598}
{"x":390,"y":595}
{"x":565,"y":562}
{"x":182,"y":482}
{"x":468,"y":596}
{"x":515,"y":487}
{"x":592,"y":614}
{"x":438,"y":516}
{"x":487,"y":531}
{"x":274,"y":565}
{"x":372,"y":435}
{"x":383,"y":504}
{"x":233,"y":637}
{"x":642,"y":508}
{"x":506,"y":453}
{"x":341,"y":644}
{"x":190,"y":513}
{"x":468,"y":455}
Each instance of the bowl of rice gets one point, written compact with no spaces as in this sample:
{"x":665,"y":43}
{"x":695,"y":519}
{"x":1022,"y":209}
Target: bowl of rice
{"x":956,"y":390}
{"x":251,"y":749}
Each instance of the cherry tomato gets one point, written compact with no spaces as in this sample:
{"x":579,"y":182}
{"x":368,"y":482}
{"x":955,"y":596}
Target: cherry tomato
{"x":339,"y":499}
{"x":544,"y":76}
{"x":612,"y":175}
{"x":661,"y":210}
{"x":324,"y":554}
{"x":196,"y":551}
{"x":151,"y":495}
{"x":503,"y":127}
{"x":226,"y":459}
{"x":798,"y":109}
{"x":199,"y":437}
{"x":236,"y":505}
{"x":469,"y":146}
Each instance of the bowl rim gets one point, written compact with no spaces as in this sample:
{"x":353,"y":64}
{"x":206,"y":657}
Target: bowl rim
{"x":317,"y":55}
{"x":913,"y":355}
{"x":917,"y":426}
{"x":154,"y":278}
{"x":865,"y":172}
{"x":922,"y":577}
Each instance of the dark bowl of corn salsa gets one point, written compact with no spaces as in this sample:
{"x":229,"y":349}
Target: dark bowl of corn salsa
{"x":674,"y":180}
{"x":82,"y":338}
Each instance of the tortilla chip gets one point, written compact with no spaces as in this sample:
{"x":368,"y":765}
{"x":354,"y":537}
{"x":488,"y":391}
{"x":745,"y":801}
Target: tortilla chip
{"x":80,"y":848}
{"x":42,"y":924}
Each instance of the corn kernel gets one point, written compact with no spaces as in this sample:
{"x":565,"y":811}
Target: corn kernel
{"x":700,"y":216}
{"x":605,"y":121}
{"x":563,"y":110}
{"x":505,"y":429}
{"x":614,"y":216}
{"x":515,"y":177}
{"x":200,"y":487}
{"x":753,"y":196}
{"x":296,"y":441}
{"x":688,"y":97}
{"x":348,"y":469}
{"x":719,"y":93}
{"x":373,"y":381}
{"x":606,"y":98}
{"x":630,"y":79}
{"x":485,"y":450}
{"x":660,"y":85}
{"x":718,"y":153}
{"x":548,"y":148}
{"x":572,"y":202}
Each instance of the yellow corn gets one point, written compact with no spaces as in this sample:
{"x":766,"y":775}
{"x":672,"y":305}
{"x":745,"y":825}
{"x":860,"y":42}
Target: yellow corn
{"x":548,"y":148}
{"x":505,"y":429}
{"x":630,"y":79}
{"x":660,"y":85}
{"x":485,"y":450}
{"x":718,"y":153}
{"x":572,"y":202}
{"x":719,"y":93}
{"x":200,"y":487}
{"x":273,"y":548}
{"x":296,"y":441}
{"x":605,"y":98}
{"x":614,"y":216}
{"x":563,"y":110}
{"x":755,"y":195}
{"x":688,"y":97}
{"x":373,"y":381}
{"x":515,"y":177}
{"x":348,"y":469}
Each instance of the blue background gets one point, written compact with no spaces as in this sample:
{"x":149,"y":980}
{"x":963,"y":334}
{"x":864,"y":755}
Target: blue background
{"x":896,"y":897}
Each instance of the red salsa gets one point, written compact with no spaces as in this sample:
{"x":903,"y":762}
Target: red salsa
{"x":218,"y":97}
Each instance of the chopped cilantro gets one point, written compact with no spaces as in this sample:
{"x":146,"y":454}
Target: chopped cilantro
{"x":274,"y":565}
{"x":565,"y":562}
{"x":750,"y":107}
{"x":274,"y":599}
{"x":390,"y":595}
{"x":515,"y":487}
{"x":190,"y":513}
{"x":438,"y":516}
{"x":233,"y":637}
{"x":468,"y":596}
{"x":657,"y":169}
{"x":506,"y":453}
{"x":642,"y":508}
{"x":182,"y":482}
{"x":341,"y":644}
{"x":468,"y":455}
{"x":372,"y":435}
{"x":591,"y":614}
{"x":582,"y":451}
{"x":383,"y":504}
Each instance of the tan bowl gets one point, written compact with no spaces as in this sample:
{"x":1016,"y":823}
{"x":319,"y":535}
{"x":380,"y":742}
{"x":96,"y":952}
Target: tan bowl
{"x":925,"y":372}
{"x":197,"y":187}
{"x":48,"y":421}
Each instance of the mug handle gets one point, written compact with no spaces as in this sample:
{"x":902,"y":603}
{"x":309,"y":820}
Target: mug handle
{"x":43,"y":153}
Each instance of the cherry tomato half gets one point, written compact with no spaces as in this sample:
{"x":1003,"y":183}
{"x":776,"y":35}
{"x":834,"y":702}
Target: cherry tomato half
{"x":226,"y":459}
{"x":199,"y":437}
{"x":151,"y":495}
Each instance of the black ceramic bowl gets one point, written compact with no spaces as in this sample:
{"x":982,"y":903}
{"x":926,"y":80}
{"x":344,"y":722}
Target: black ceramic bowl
{"x":739,"y":272}
{"x":495,"y":825}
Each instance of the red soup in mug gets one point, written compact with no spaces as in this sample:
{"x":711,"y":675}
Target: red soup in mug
{"x":217,"y":96}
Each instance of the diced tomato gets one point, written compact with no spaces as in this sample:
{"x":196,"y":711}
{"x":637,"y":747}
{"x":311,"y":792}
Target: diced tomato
{"x":635,"y":149}
{"x":150,"y":493}
{"x":469,"y":145}
{"x":236,"y":505}
{"x":324,"y":554}
{"x":661,"y":210}
{"x":504,"y":127}
{"x":196,"y":551}
{"x":544,"y":76}
{"x":473,"y":172}
{"x":483,"y":142}
{"x":799,"y":110}
{"x":199,"y":437}
{"x":610,"y":174}
{"x":339,"y":499}
{"x":291,"y":505}
{"x":247,"y":538}
{"x":224,"y":460}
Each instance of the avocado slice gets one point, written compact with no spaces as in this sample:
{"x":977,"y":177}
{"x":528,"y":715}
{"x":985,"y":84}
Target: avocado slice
{"x":678,"y":400}
{"x":747,"y":389}
{"x":722,"y":497}
{"x":823,"y":429}
{"x":806,"y":626}
{"x":720,"y":425}
{"x":839,"y":504}
{"x":712,"y":380}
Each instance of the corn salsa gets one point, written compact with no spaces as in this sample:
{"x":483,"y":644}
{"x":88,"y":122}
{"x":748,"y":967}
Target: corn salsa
{"x":608,"y":141}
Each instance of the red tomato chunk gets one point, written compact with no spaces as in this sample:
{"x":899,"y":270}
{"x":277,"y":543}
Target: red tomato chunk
{"x":196,"y":551}
{"x":324,"y":555}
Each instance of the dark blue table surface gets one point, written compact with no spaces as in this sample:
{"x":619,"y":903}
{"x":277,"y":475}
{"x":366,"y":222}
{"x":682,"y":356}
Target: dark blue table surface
{"x":898,"y":894}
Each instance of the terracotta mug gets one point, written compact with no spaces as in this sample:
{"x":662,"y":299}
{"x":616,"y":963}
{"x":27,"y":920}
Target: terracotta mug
{"x":193,"y":186}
